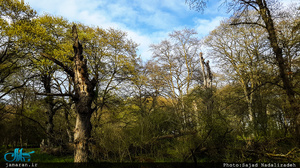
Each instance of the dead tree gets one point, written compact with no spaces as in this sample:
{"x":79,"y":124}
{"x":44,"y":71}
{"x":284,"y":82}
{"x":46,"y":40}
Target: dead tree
{"x":84,"y":93}
{"x":83,"y":97}
{"x":207,"y":80}
{"x":207,"y":75}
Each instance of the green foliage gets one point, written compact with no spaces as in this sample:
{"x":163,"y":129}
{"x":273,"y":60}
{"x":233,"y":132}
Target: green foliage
{"x":154,"y":111}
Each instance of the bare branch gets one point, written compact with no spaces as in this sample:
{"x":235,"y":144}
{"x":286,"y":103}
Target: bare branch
{"x":17,"y":87}
{"x":248,"y":23}
{"x":250,"y":3}
{"x":12,"y":90}
{"x":62,"y":65}
{"x":197,"y":5}
{"x":54,"y":94}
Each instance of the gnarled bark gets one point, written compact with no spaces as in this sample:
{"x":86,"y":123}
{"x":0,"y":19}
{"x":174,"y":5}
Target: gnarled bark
{"x":83,"y":100}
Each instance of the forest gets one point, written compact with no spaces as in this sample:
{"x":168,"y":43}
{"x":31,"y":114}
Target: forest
{"x":83,"y":93}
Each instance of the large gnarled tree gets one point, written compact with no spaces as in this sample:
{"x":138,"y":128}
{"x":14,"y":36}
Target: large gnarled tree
{"x":83,"y":97}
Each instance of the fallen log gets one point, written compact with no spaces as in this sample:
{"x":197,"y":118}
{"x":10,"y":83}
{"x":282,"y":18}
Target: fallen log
{"x":275,"y":156}
{"x":287,"y":156}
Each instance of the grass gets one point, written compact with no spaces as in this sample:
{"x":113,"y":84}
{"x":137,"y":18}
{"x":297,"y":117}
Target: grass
{"x":44,"y":157}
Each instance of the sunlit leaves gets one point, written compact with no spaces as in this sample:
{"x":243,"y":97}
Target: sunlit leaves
{"x":15,"y":11}
{"x":16,"y":24}
{"x":110,"y":55}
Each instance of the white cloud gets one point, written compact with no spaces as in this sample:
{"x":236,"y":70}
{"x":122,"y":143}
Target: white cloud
{"x":145,"y":40}
{"x":204,"y":26}
{"x":145,"y":21}
{"x":118,"y":15}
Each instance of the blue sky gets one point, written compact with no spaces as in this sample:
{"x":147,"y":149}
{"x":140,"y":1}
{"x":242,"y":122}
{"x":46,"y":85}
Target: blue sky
{"x":145,"y":21}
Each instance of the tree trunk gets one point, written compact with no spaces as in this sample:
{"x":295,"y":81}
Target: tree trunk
{"x":83,"y":97}
{"x":81,"y":137}
{"x":267,"y":18}
{"x":46,"y":80}
{"x":207,"y":80}
{"x":50,"y":127}
{"x":83,"y":100}
{"x":69,"y":132}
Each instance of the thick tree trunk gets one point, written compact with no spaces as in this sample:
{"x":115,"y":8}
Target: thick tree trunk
{"x":81,"y":137}
{"x":83,"y":128}
{"x":83,"y":101}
